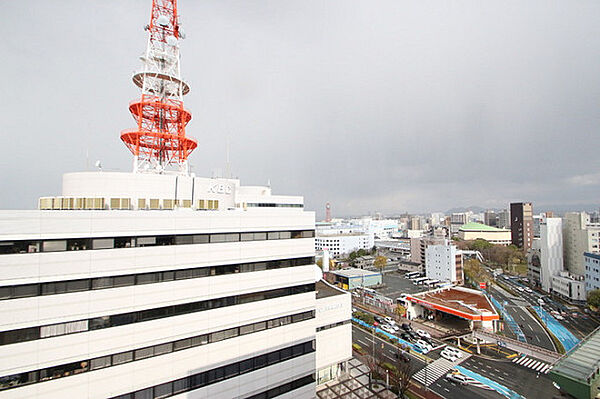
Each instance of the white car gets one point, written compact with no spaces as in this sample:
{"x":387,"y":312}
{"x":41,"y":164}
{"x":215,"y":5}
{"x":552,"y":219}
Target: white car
{"x":424,"y":344}
{"x":454,"y":351}
{"x":387,"y":328}
{"x":395,"y":327}
{"x":389,"y":320}
{"x":521,"y":289}
{"x":423,"y":333}
{"x":421,"y":348}
{"x":458,"y":378}
{"x":528,"y":289}
{"x":448,"y":355}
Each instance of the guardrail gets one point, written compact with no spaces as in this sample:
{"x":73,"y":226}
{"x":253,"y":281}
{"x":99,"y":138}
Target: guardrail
{"x":522,"y":347}
{"x":512,"y":324}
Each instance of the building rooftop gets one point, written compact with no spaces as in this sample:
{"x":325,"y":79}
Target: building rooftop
{"x":355,"y":272}
{"x":582,"y":362}
{"x":472,"y":226}
{"x":591,"y":255}
{"x":325,"y":290}
{"x":462,"y":302}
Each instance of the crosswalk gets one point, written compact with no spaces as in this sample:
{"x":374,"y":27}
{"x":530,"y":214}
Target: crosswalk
{"x":535,"y":365}
{"x":436,"y":369}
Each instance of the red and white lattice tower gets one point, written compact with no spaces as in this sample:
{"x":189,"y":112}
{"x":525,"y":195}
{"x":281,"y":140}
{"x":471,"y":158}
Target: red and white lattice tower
{"x":158,"y":141}
{"x":328,"y":212}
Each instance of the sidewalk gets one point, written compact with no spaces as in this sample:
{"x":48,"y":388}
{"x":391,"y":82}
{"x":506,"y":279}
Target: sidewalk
{"x":354,"y":384}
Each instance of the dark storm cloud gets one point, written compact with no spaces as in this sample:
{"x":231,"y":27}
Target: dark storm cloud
{"x":384,"y":105}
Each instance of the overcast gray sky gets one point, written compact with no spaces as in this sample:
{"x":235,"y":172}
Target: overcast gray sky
{"x":386,"y":106}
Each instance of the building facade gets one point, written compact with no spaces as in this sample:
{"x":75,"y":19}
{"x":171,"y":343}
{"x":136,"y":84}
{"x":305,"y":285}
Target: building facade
{"x":579,"y":236}
{"x":592,"y":271}
{"x":551,"y":250}
{"x":444,"y":263}
{"x":521,"y":225}
{"x":474,"y":231}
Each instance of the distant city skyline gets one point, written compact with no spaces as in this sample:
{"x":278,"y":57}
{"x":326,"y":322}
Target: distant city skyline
{"x":407,"y":106}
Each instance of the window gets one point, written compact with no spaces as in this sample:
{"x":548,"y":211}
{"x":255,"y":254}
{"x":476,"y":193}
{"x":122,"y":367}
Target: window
{"x":184,"y":240}
{"x":100,"y":362}
{"x":246,"y":366}
{"x":182,"y":344}
{"x":123,"y":281}
{"x":27,"y":290}
{"x":78,"y":285}
{"x":144,"y":353}
{"x":124,"y":357}
{"x":247,"y":237}
{"x":146,"y":241}
{"x":181,"y":385}
{"x":143,"y":394}
{"x":54,"y":245}
{"x":200,"y":238}
{"x":102,"y":282}
{"x":163,"y":390}
{"x":260,"y":236}
{"x":103,"y":243}
{"x":147,"y":278}
{"x":273,"y":235}
{"x":163,"y":348}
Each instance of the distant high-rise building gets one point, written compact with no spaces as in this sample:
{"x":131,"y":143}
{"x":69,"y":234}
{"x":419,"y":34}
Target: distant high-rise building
{"x":503,"y":219}
{"x":457,"y":220}
{"x":551,"y":250}
{"x":490,"y":218}
{"x":521,"y":226}
{"x":415,"y":223}
{"x":579,"y":236}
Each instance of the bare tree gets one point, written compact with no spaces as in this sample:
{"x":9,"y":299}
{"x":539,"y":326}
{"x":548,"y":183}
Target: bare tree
{"x":405,"y":370}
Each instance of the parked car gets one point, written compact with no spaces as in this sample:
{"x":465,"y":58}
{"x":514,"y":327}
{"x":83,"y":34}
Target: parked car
{"x":379,"y":320}
{"x":528,"y":289}
{"x":405,"y":336}
{"x":421,"y":348}
{"x":389,"y":320}
{"x":454,"y":350}
{"x":395,"y":327}
{"x":458,"y":378}
{"x":406,"y":327}
{"x":387,"y":328}
{"x":521,"y":289}
{"x":448,"y":355}
{"x":423,"y":334}
{"x":413,"y":335}
{"x":425,"y":344}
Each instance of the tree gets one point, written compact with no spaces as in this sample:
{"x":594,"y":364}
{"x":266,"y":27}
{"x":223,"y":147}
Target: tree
{"x":593,"y":299}
{"x":405,"y":370}
{"x":400,"y":310}
{"x":380,"y":262}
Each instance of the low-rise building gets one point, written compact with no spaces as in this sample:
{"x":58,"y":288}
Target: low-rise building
{"x":578,"y":372}
{"x":592,"y":271}
{"x":351,"y":278}
{"x":474,"y":231}
{"x":569,"y":287}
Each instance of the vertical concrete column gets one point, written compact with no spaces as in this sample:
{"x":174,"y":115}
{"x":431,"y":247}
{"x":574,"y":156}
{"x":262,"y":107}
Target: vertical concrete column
{"x":478,"y":348}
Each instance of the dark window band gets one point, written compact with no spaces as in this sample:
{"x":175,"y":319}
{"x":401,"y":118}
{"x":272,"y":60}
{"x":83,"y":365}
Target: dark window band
{"x":72,"y":327}
{"x":200,"y":380}
{"x":64,"y":370}
{"x":285,"y":388}
{"x":68,"y":286}
{"x":272,"y":205}
{"x":328,"y":326}
{"x":87,"y":243}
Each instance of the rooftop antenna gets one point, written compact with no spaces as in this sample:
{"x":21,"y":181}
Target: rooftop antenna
{"x":159,"y":139}
{"x":227,"y":166}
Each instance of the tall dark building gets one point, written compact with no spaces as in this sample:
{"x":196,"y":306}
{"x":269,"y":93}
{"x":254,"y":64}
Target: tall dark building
{"x":521,"y":224}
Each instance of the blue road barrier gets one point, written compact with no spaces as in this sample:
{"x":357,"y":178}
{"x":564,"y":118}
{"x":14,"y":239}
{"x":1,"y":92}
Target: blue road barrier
{"x":566,"y":338}
{"x":501,"y":389}
{"x":508,"y":319}
{"x":401,"y":341}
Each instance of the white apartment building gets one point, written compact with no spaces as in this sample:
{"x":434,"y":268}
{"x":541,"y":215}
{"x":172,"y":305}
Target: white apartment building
{"x":381,"y":229}
{"x":340,"y":239}
{"x":579,"y":236}
{"x":592,"y":271}
{"x":444,"y":263}
{"x":551,"y":250}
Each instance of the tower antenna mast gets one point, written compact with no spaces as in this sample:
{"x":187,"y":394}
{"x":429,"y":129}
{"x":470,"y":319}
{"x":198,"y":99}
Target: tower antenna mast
{"x":158,"y":141}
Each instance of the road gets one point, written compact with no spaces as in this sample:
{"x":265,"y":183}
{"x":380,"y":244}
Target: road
{"x":576,"y":321}
{"x":441,"y":386}
{"x":534,"y":333}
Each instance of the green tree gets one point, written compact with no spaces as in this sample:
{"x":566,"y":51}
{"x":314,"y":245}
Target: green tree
{"x":400,"y":310}
{"x":380,"y":262}
{"x":593,"y":299}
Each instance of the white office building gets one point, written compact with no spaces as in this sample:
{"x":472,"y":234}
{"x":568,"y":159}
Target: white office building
{"x":340,"y":239}
{"x":551,"y":250}
{"x":158,"y":283}
{"x":569,"y":287}
{"x":444,"y":263}
{"x":592,"y":271}
{"x":579,"y":236}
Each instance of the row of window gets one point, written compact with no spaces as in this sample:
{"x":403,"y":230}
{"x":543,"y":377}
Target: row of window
{"x":271,"y":205}
{"x":33,"y":333}
{"x":285,"y":388}
{"x":68,"y":286}
{"x":200,"y":380}
{"x":328,"y":326}
{"x":78,"y":244}
{"x":64,"y":370}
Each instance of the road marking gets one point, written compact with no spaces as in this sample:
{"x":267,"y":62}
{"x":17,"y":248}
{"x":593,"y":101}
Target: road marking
{"x":446,"y":389}
{"x":538,"y":338}
{"x":529,"y":325}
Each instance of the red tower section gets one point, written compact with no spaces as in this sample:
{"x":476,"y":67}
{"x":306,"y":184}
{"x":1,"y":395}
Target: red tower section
{"x":159,"y":139}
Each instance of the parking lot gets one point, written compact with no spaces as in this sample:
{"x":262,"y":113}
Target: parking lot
{"x":396,"y":284}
